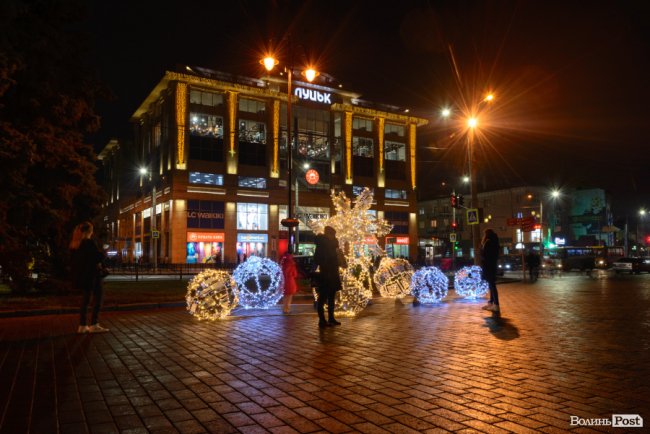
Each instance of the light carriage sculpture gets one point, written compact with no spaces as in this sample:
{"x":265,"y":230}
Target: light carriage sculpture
{"x":393,"y":277}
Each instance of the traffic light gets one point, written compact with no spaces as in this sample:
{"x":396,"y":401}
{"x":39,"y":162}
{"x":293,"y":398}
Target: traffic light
{"x":460,"y":200}
{"x":454,"y":200}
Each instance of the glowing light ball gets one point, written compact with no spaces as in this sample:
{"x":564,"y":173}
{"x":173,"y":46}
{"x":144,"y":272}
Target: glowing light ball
{"x":468,"y":282}
{"x":429,"y":285}
{"x":393,"y":277}
{"x":259,"y":283}
{"x":211,"y":294}
{"x":356,"y":289}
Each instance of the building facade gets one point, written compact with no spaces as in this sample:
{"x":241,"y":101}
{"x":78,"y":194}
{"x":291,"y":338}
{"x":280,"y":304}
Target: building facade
{"x":206,"y":177}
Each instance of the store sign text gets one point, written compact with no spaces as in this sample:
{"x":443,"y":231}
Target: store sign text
{"x":313,"y":95}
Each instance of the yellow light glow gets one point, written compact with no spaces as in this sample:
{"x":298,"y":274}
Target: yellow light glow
{"x":489,"y":97}
{"x":445,"y":113}
{"x":472,"y":122}
{"x":269,"y":62}
{"x":181,"y":112}
{"x":380,"y":138}
{"x":412,"y":138}
{"x":310,"y":74}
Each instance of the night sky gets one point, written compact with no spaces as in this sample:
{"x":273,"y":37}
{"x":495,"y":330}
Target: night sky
{"x":572,"y":102}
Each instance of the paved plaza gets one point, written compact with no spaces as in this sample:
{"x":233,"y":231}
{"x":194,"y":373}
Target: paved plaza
{"x":570,"y":346}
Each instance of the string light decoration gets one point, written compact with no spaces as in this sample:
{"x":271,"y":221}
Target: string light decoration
{"x":468,"y":282}
{"x":259,"y":283}
{"x":211,"y":295}
{"x":393,"y":277}
{"x":356,"y":290}
{"x":429,"y":285}
{"x":354,"y":226}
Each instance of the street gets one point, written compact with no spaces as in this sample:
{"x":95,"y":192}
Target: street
{"x":565,"y":349}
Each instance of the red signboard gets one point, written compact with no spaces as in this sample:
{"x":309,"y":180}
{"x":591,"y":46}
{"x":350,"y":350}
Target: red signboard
{"x":312,"y":176}
{"x":397,"y":240}
{"x":205,"y":237}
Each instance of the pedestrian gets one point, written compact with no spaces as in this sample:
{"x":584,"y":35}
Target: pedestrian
{"x":87,"y":275}
{"x":533,"y":262}
{"x":326,"y":258}
{"x":489,"y":258}
{"x":290,"y":273}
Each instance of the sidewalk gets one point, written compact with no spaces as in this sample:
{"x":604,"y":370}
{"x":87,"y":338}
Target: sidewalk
{"x":552,"y":354}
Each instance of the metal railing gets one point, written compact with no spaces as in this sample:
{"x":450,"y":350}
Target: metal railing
{"x":137,"y":270}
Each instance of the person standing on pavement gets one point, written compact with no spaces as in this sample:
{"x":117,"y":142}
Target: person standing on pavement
{"x":290,"y":273}
{"x":489,"y":257}
{"x":87,"y":275}
{"x":326,"y":258}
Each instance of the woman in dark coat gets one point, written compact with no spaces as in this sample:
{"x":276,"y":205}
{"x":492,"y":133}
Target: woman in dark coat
{"x":87,"y":266}
{"x":489,"y":258}
{"x":326,"y":257}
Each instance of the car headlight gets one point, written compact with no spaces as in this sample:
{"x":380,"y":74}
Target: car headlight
{"x":601,"y":262}
{"x":559,"y":266}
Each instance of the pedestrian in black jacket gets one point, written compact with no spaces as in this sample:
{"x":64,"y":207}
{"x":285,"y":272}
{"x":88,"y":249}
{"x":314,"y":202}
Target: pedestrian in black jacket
{"x":489,"y":258}
{"x":326,"y":258}
{"x":87,"y":275}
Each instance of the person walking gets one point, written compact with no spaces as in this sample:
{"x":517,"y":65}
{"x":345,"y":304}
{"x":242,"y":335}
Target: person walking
{"x":87,"y":275}
{"x":326,"y":258}
{"x":290,"y":273}
{"x":489,"y":257}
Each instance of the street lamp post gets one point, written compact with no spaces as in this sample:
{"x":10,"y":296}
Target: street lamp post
{"x":290,"y":222}
{"x":473,"y":190}
{"x":154,"y":240}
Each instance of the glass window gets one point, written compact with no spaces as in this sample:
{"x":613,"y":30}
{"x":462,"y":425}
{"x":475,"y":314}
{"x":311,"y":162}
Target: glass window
{"x":202,"y":124}
{"x":396,"y":194}
{"x":357,"y":189}
{"x":210,"y":99}
{"x":394,"y":129}
{"x":251,"y":106}
{"x":252,"y":131}
{"x":399,"y":220}
{"x":250,"y":182}
{"x":395,"y":151}
{"x":362,"y":147}
{"x":361,"y":124}
{"x":206,"y":178}
{"x":252,"y":216}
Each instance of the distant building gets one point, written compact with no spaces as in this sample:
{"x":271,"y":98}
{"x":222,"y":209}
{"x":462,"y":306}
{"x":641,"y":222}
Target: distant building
{"x":213,"y":148}
{"x":520,"y":216}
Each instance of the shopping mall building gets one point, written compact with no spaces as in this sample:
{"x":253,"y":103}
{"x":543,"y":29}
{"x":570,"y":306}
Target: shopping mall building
{"x":205,"y":178}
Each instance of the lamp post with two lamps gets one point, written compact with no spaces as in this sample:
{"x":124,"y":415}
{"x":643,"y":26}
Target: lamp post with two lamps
{"x":270,"y":62}
{"x":471,"y":124}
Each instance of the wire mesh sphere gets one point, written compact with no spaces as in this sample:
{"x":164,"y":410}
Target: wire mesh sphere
{"x":259,"y":283}
{"x":393,"y":277}
{"x":356,"y":289}
{"x":211,"y":294}
{"x":429,"y":285}
{"x":468,"y":282}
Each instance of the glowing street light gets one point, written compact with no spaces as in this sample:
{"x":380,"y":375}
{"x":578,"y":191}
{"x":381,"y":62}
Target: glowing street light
{"x":270,"y":62}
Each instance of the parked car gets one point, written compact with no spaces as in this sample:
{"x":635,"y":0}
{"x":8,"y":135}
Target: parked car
{"x":632,"y":265}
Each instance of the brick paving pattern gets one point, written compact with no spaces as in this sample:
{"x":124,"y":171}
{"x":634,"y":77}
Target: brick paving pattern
{"x":562,"y":347}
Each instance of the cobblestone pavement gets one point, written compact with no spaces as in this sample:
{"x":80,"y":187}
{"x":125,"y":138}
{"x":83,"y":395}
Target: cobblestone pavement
{"x":561,"y":347}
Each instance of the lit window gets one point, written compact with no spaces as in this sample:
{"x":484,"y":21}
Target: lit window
{"x":362,"y":147}
{"x":202,"y":124}
{"x":252,"y":216}
{"x":396,"y":194}
{"x":206,"y":178}
{"x":251,"y":106}
{"x":362,"y":124}
{"x":252,"y":131}
{"x":210,"y":99}
{"x":250,"y":182}
{"x":395,"y":151}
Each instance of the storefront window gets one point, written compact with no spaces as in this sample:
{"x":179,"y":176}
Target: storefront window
{"x":251,"y":245}
{"x":252,"y":216}
{"x":251,"y":106}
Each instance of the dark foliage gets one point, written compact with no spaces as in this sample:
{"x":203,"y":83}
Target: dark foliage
{"x":46,"y":109}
